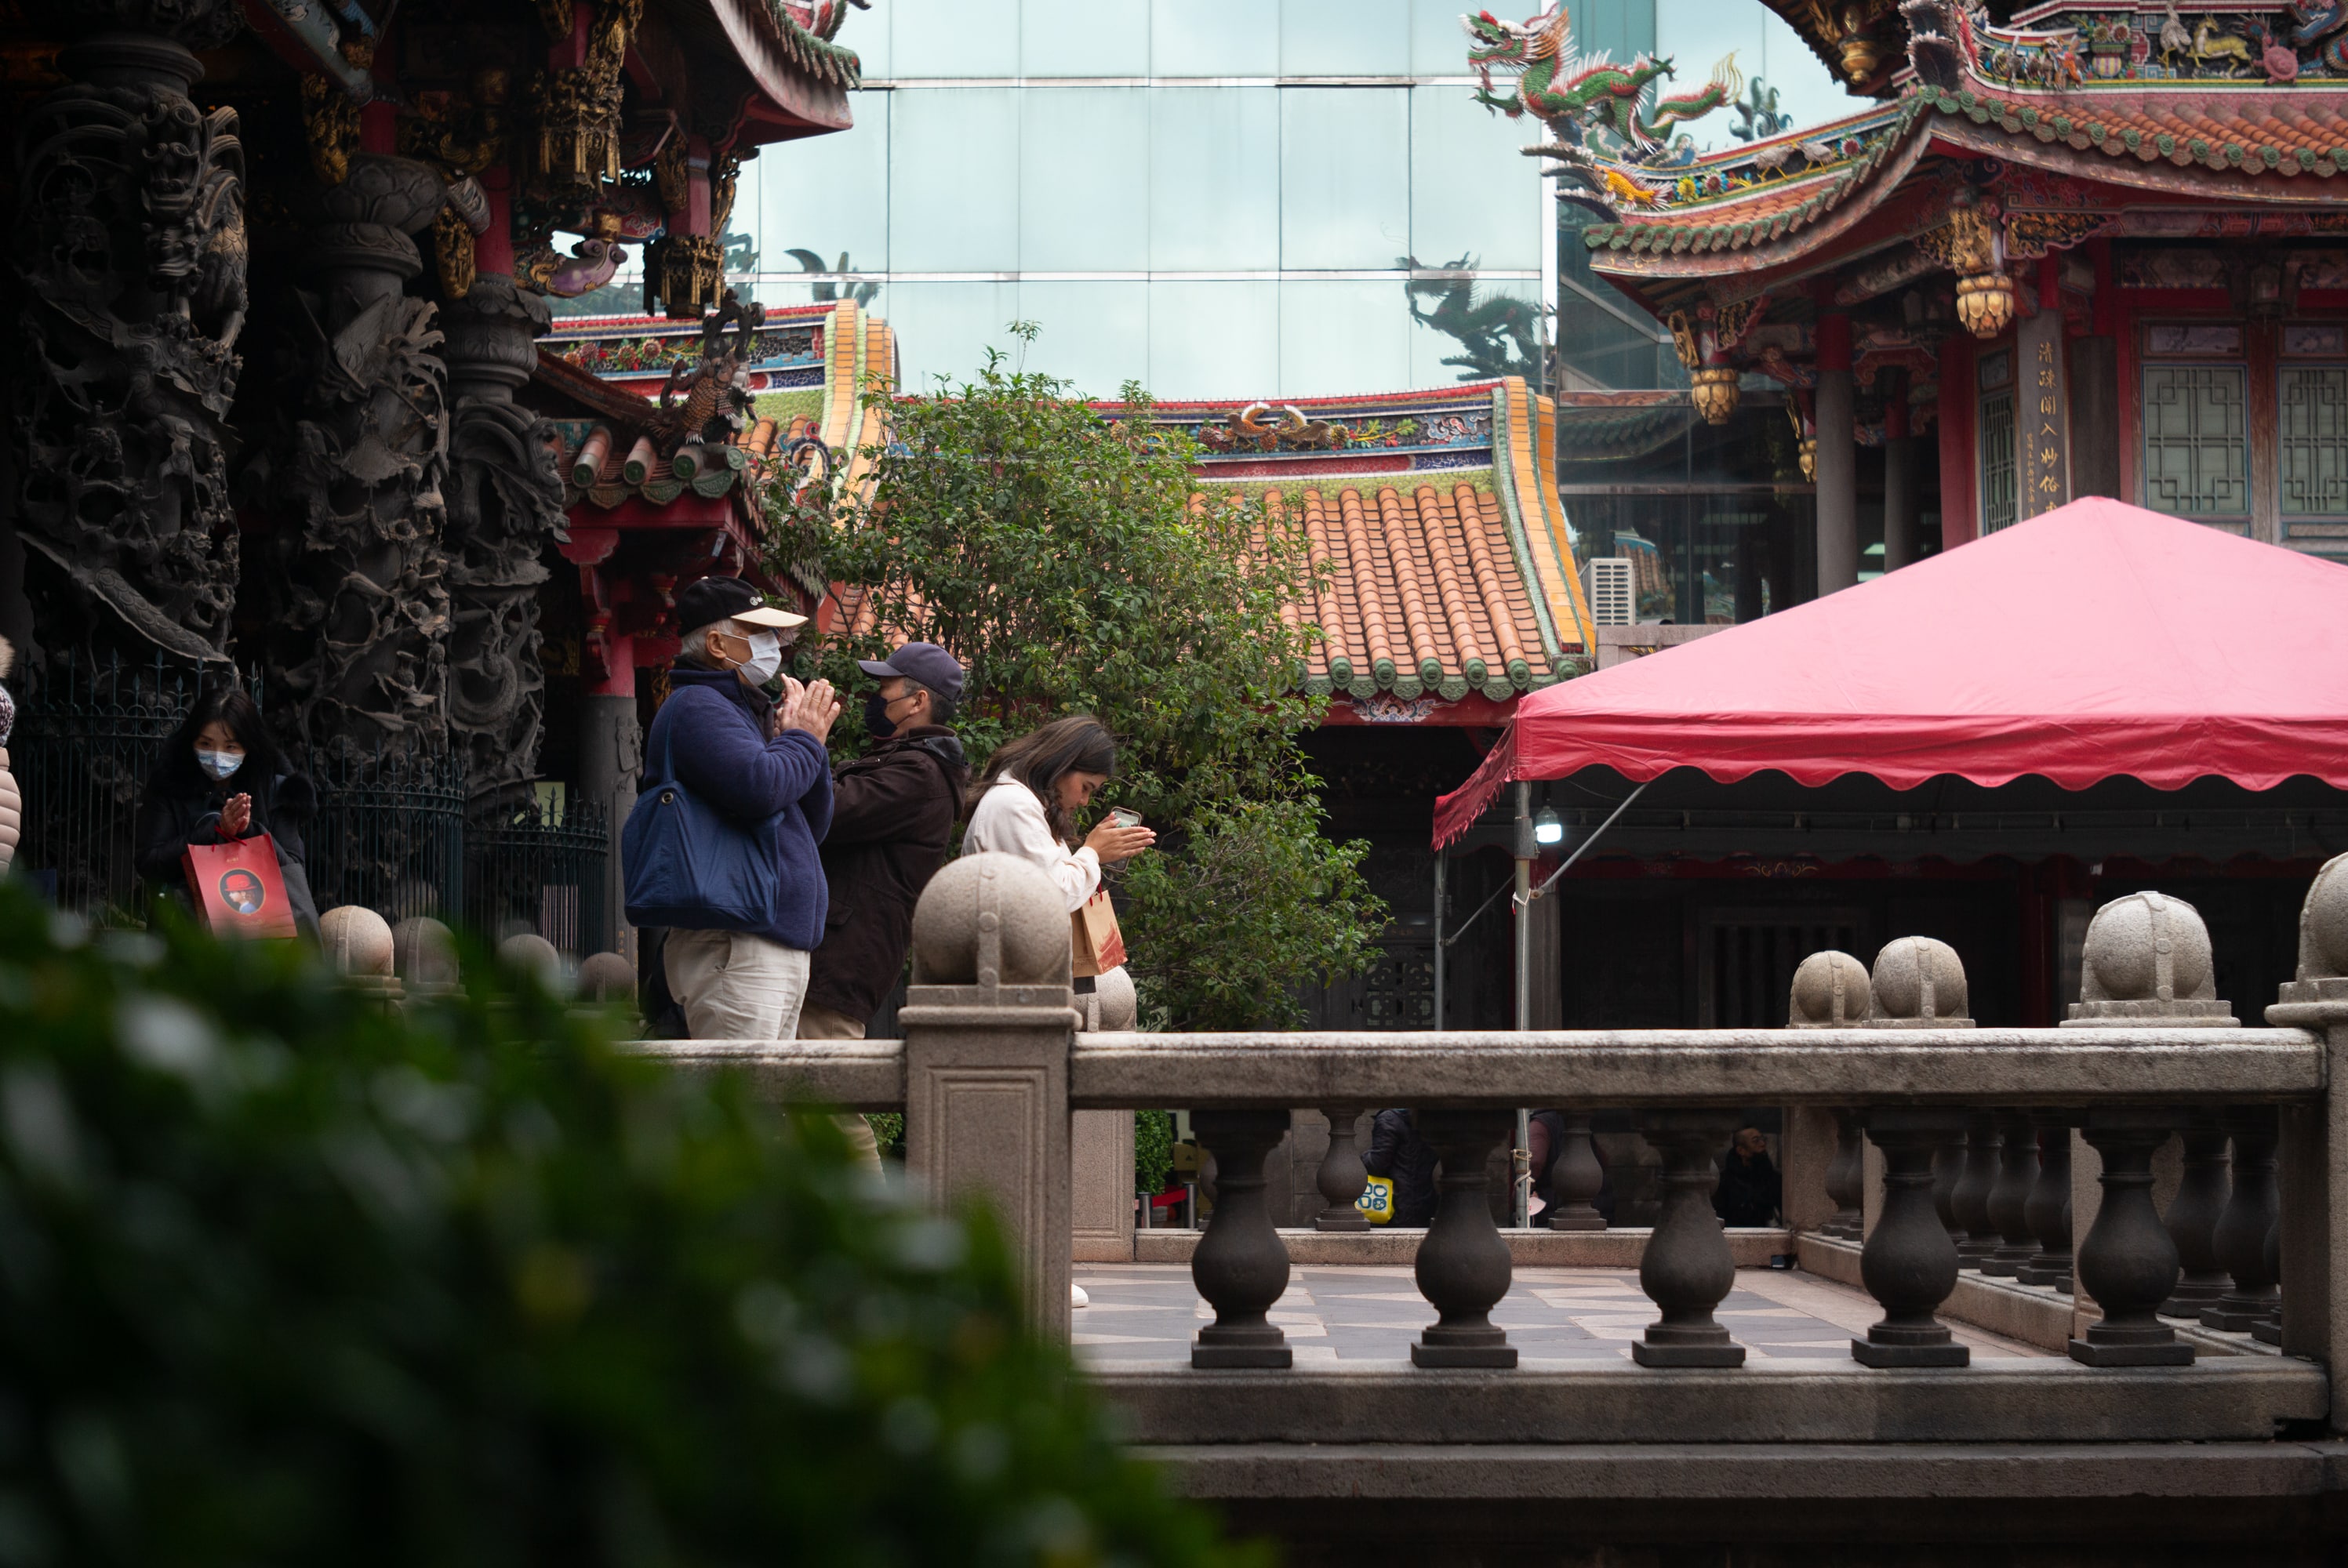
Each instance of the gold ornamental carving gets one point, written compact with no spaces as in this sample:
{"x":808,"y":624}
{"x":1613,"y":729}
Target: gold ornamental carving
{"x":1713,"y":389}
{"x":725,"y":180}
{"x":1683,"y":338}
{"x":330,"y":119}
{"x":578,"y":108}
{"x":463,"y":135}
{"x":672,"y":174}
{"x":452,"y":253}
{"x":686,"y":273}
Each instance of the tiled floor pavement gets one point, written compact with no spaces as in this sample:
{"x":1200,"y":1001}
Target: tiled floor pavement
{"x":1148,"y":1312}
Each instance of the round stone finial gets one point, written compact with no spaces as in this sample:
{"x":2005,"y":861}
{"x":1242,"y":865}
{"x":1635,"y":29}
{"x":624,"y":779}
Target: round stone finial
{"x":1830,"y":990}
{"x":2323,"y":923}
{"x":527,"y":953}
{"x":424,"y":951}
{"x":2147,"y":948}
{"x":607,"y":978}
{"x":991,"y":902}
{"x":1119,"y":1003}
{"x":1920,"y":981}
{"x":357,"y":940}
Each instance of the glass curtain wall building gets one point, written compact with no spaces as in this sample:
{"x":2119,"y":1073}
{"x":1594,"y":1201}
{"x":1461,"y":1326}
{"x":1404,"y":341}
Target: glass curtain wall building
{"x":1213,"y":198}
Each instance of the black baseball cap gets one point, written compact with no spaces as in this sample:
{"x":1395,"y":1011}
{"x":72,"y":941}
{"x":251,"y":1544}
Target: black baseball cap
{"x":927,"y":663}
{"x":717,"y":599}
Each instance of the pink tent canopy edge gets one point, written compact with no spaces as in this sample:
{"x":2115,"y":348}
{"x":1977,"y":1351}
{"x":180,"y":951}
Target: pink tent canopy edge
{"x":2095,"y":641}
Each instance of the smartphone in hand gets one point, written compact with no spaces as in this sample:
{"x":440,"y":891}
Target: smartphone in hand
{"x":1125,"y":816}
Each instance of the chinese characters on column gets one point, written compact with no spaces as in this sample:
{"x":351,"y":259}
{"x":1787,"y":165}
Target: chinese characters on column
{"x":2044,"y":429}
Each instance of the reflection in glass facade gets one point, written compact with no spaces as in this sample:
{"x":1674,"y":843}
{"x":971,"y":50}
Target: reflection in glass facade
{"x":1215,"y":198}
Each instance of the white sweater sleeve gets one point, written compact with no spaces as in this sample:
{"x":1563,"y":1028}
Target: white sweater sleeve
{"x":1009,"y":820}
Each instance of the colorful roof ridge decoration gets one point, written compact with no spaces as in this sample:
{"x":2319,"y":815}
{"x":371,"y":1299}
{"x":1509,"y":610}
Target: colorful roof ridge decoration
{"x":1449,"y":567}
{"x":2088,"y":93}
{"x":603,"y":467}
{"x":637,"y":351}
{"x":806,"y":31}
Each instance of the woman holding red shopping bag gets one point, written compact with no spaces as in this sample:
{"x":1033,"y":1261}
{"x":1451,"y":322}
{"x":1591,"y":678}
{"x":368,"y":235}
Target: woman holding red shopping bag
{"x":219,"y":808}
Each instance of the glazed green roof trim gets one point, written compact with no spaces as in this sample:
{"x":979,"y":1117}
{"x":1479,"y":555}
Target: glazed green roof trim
{"x":819,"y":58}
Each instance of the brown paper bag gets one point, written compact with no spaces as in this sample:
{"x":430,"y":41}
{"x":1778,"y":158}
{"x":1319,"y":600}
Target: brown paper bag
{"x":1099,"y":945}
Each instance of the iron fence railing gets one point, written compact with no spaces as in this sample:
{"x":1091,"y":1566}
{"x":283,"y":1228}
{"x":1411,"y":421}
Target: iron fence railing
{"x":87,"y":739}
{"x":540,"y":866}
{"x":390,"y":834}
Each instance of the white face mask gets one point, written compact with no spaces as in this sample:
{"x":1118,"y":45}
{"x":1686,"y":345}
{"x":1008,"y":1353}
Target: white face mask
{"x":766,"y":657}
{"x":219,"y":765}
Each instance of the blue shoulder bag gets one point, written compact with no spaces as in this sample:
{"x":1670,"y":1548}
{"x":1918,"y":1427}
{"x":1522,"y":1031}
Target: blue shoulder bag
{"x":689,"y":867}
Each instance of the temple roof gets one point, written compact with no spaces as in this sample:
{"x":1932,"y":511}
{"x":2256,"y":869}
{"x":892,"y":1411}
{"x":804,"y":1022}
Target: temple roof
{"x":2010,"y":94}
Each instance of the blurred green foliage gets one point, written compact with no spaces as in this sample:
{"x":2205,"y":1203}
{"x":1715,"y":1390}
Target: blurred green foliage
{"x":1153,"y":1151}
{"x":286,"y":1279}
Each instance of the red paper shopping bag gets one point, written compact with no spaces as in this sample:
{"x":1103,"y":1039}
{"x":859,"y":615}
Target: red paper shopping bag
{"x":239,"y":886}
{"x":1093,"y":934}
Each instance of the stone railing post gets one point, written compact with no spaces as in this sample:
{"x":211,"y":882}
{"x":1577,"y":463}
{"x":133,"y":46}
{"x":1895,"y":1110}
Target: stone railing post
{"x":2313,"y":1230}
{"x":2049,"y":1209}
{"x":1340,"y":1176}
{"x":2192,"y":1217}
{"x":1688,"y":1267}
{"x":2252,"y":1210}
{"x":1977,"y":1235}
{"x":1830,"y":990}
{"x":988,"y":1021}
{"x":2147,"y":962}
{"x":1910,"y":1265}
{"x":1463,"y":1267}
{"x":359,"y":944}
{"x":2009,"y":1196}
{"x":1240,"y":1267}
{"x":1575,"y":1178}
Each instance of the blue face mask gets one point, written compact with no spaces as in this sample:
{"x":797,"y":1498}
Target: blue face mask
{"x":219,"y":765}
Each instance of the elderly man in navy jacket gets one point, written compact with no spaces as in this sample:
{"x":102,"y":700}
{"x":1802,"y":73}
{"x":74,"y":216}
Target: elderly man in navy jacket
{"x":761,"y":763}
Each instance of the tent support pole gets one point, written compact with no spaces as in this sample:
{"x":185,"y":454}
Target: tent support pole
{"x":1521,"y":1158}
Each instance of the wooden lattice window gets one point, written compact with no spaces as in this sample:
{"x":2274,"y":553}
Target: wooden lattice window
{"x":2312,"y":408}
{"x":2000,"y":482}
{"x":2197,"y":453}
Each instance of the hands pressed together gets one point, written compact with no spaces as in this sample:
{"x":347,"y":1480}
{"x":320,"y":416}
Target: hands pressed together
{"x":235,"y":817}
{"x":813,"y":707}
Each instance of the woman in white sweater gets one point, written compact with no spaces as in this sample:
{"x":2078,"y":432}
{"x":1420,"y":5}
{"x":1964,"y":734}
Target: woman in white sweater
{"x":1023,"y":801}
{"x":1021,"y":804}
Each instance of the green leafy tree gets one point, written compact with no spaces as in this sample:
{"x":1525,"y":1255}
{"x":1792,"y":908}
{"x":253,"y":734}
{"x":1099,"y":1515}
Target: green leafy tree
{"x":1074,"y":563}
{"x":287,"y":1279}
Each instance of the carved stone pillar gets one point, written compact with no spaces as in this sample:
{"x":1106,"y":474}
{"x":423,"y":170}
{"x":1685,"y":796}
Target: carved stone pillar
{"x":360,"y":660}
{"x":2192,"y":1218}
{"x":130,"y":251}
{"x":2009,"y":1196}
{"x":1341,"y":1175}
{"x":1241,"y":1267}
{"x":1910,"y":1265}
{"x":2127,"y":1264}
{"x":1688,"y":1267}
{"x":2252,"y":1210}
{"x":1575,"y":1178}
{"x":2049,"y":1208}
{"x":1970,"y":1200}
{"x":505,"y":506}
{"x":1948,"y":1169}
{"x":1463,"y":1267}
{"x":2269,"y":1329}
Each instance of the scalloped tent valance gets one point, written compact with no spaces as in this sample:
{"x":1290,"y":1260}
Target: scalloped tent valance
{"x":2099,"y":640}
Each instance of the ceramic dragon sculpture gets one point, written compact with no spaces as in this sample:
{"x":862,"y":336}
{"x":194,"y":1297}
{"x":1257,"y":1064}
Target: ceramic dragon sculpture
{"x":1570,"y":92}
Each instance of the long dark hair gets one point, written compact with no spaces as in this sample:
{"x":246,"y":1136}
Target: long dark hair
{"x":224,"y":700}
{"x":1078,"y":743}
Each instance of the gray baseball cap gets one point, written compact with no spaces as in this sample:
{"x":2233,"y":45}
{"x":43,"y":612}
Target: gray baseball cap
{"x":927,"y":663}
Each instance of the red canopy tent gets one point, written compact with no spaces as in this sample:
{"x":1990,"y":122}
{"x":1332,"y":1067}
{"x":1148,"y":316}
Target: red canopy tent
{"x":2097,"y":641}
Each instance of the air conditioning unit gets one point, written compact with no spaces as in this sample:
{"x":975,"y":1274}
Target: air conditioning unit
{"x":1608,"y":582}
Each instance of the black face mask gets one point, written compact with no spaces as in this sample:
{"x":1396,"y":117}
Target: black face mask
{"x":877,"y":723}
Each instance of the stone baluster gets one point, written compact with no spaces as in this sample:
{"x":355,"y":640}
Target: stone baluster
{"x":2009,"y":1196}
{"x":2049,"y":1209}
{"x":1948,"y":1168}
{"x":2268,"y":1330}
{"x":2308,"y":1231}
{"x":1463,"y":1267}
{"x":1240,"y":1267}
{"x":2146,"y":961}
{"x":1688,"y":1267}
{"x":1832,"y":991}
{"x":1910,"y":1265}
{"x":2127,"y":1262}
{"x":1575,"y":1178}
{"x":1846,"y":1179}
{"x":1977,"y":1235}
{"x":1342,"y":1177}
{"x":2252,"y":1210}
{"x":2193,"y":1215}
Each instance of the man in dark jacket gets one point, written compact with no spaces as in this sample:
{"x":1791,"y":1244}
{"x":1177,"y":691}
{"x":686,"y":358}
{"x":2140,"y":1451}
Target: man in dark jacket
{"x":1398,"y":1153}
{"x":1750,"y":1188}
{"x":892,"y":815}
{"x":763,"y":766}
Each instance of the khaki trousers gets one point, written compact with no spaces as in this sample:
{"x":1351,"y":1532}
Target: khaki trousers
{"x":822,"y":1024}
{"x":735,"y":985}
